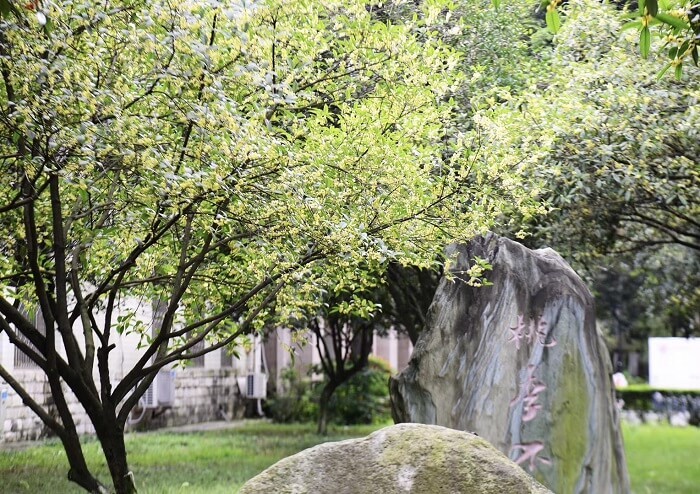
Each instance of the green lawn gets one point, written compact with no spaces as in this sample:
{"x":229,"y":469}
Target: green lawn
{"x":661,"y":459}
{"x":211,"y":462}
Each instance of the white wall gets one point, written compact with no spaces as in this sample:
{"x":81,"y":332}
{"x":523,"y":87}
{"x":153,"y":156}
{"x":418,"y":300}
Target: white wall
{"x":201,"y":393}
{"x":674,"y":363}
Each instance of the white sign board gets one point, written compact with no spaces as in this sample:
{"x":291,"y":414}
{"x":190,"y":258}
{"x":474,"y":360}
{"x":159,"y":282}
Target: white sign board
{"x":674,"y":363}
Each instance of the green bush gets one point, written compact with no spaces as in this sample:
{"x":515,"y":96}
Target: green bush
{"x":298,"y":404}
{"x":639,"y":397}
{"x":364,"y":399}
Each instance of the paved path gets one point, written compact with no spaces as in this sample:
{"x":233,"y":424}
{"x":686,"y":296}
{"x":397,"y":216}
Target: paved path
{"x":210,"y":426}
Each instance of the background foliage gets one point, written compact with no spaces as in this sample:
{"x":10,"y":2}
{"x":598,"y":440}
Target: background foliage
{"x":363,"y":399}
{"x":617,"y":150}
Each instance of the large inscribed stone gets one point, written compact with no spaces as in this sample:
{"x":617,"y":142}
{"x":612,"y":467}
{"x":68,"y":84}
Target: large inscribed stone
{"x":522,"y":364}
{"x":404,"y":458}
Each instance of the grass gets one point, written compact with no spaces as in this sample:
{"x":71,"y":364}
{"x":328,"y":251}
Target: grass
{"x":661,"y":459}
{"x":195,"y":463}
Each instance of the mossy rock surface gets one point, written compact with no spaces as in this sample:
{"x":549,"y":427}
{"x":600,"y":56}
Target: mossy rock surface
{"x":404,"y":458}
{"x":521,"y":363}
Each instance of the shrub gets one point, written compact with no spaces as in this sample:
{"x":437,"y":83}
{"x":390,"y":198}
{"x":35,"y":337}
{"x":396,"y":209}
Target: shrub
{"x":364,"y":399}
{"x":298,"y":404}
{"x":640,"y":398}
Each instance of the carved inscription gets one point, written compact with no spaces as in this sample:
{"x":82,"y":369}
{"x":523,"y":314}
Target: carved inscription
{"x":527,"y":333}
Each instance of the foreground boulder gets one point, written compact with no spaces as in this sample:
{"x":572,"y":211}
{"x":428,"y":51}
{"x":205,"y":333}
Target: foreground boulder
{"x":520,"y":363}
{"x":404,"y":458}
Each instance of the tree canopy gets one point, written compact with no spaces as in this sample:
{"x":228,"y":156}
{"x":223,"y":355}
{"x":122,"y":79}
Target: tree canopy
{"x":675,"y":22}
{"x":213,"y":158}
{"x":233,"y":163}
{"x":619,"y":151}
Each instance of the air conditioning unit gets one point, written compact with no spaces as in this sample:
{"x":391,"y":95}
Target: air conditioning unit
{"x":161,"y":392}
{"x":256,"y":386}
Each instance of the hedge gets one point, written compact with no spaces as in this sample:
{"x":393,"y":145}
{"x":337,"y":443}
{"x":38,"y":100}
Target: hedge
{"x":639,"y":397}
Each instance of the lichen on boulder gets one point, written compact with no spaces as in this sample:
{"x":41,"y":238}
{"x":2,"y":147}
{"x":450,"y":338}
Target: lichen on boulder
{"x":404,"y":458}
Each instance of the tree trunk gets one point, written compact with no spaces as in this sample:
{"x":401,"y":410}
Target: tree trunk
{"x":67,"y":432}
{"x":79,"y":472}
{"x":111,"y":438}
{"x":324,"y":399}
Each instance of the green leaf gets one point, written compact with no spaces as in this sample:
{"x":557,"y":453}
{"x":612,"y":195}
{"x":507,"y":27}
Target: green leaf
{"x":672,"y":21}
{"x":496,"y":3}
{"x":652,"y":7}
{"x":631,"y":25}
{"x":663,"y":71}
{"x":694,"y":54}
{"x":48,"y":27}
{"x":553,"y":21}
{"x":642,"y":5}
{"x":644,"y":42}
{"x":5,"y":8}
{"x":679,"y":71}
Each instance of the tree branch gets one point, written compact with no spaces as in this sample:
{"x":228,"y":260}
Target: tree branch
{"x":73,"y":352}
{"x":31,"y":403}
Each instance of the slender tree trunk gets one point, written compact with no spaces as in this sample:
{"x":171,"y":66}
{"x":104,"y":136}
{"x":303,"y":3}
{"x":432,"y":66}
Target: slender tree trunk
{"x":340,"y":375}
{"x":111,"y":437}
{"x":324,"y":400}
{"x":79,"y":472}
{"x":115,"y":452}
{"x":322,"y":420}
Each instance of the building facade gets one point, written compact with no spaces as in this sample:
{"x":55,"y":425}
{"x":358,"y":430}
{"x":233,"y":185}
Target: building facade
{"x":216,"y":386}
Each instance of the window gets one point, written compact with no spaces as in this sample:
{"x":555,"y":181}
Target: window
{"x":22,"y":360}
{"x":197,"y":361}
{"x":226,"y":358}
{"x":159,"y":308}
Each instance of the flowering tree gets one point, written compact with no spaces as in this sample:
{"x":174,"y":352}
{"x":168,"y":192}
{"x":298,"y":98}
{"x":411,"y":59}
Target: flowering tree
{"x":215,"y":158}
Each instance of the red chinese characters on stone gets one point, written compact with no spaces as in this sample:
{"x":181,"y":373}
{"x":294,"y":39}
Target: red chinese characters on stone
{"x":542,"y":329}
{"x":530,"y":333}
{"x":534,"y":331}
{"x":529,"y":392}
{"x":529,"y":453}
{"x":519,"y":332}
